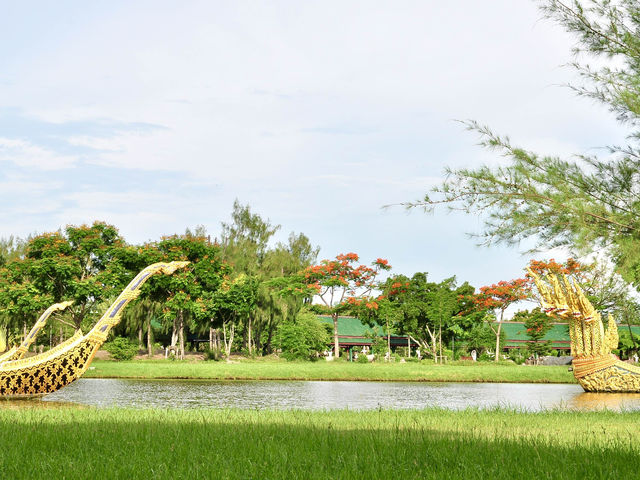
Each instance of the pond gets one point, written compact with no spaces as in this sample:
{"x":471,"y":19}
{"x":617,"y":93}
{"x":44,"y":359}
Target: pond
{"x":317,"y":395}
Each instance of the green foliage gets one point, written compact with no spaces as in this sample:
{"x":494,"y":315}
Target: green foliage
{"x":430,"y":312}
{"x":628,"y":344}
{"x":304,"y":338}
{"x":362,"y":358}
{"x":212,"y":354}
{"x":482,"y":338}
{"x":537,"y":324}
{"x":378,"y":343}
{"x":121,"y":348}
{"x":518,"y":355}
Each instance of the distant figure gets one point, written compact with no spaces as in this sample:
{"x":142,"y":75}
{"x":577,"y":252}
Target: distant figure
{"x":418,"y":354}
{"x":474,"y":355}
{"x":635,"y":358}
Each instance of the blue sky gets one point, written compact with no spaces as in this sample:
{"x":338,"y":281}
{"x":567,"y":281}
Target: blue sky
{"x":155,"y":116}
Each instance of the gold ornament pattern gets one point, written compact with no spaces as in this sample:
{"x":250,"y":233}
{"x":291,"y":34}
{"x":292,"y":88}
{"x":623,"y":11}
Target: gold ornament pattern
{"x":58,"y":367}
{"x":594,"y":366}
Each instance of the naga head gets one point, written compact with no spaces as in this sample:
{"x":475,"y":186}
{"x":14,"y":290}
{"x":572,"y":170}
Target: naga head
{"x":170,"y":267}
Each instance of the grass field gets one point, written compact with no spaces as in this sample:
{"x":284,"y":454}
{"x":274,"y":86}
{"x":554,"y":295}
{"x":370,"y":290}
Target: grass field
{"x":282,"y":370}
{"x":236,"y":444}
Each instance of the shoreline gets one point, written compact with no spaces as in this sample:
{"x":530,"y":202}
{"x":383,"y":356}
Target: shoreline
{"x":250,"y":370}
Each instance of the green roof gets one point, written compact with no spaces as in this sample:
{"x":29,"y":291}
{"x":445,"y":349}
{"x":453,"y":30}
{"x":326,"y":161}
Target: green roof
{"x":517,"y":336}
{"x":350,"y":326}
{"x":351,"y":331}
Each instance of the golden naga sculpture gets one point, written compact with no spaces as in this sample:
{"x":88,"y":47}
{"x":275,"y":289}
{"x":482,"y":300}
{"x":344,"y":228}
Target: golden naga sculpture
{"x":17,"y":352}
{"x":58,"y":367}
{"x":594,"y":366}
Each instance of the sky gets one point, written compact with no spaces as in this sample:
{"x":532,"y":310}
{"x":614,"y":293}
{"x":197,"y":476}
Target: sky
{"x":155,"y":116}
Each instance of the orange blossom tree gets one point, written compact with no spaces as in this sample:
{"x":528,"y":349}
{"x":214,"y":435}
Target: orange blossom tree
{"x":339,"y":282}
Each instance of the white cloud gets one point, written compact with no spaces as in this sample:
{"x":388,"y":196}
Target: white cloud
{"x":25,"y":154}
{"x":309,"y":111}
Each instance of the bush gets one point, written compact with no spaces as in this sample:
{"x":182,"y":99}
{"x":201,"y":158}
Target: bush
{"x":212,"y":354}
{"x":303,"y":338}
{"x":362,"y":358}
{"x":121,"y":348}
{"x":518,"y":355}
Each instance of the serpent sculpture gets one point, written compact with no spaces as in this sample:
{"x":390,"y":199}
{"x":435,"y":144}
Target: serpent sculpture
{"x":58,"y":367}
{"x":17,"y":352}
{"x":594,"y":366}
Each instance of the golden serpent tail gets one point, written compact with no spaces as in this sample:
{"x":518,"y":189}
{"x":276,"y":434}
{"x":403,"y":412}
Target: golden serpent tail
{"x":16,"y":353}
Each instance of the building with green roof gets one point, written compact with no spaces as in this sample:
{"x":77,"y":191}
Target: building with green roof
{"x":353,"y":333}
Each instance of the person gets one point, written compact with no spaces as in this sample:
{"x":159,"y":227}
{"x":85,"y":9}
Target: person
{"x":474,"y":355}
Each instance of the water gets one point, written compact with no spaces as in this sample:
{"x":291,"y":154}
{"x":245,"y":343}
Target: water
{"x":317,"y":395}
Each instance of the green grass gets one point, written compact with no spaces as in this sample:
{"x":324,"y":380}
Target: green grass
{"x":282,"y":370}
{"x":234,"y":444}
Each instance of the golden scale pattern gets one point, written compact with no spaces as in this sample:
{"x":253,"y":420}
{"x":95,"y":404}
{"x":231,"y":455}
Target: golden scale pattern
{"x":58,"y":367}
{"x":594,"y":366}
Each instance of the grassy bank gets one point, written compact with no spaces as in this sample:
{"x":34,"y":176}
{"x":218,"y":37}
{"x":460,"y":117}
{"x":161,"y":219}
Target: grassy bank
{"x":282,"y":370}
{"x":233,"y":444}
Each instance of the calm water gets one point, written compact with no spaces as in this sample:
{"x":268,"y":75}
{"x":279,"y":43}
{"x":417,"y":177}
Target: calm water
{"x":331,"y":395}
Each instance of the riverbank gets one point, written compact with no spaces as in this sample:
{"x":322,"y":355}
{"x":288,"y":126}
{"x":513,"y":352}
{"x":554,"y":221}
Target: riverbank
{"x":322,"y":370}
{"x":62,"y":442}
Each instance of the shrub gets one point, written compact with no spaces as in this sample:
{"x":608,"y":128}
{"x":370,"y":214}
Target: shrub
{"x":212,"y":354}
{"x":121,"y":348}
{"x":518,"y":355}
{"x":303,"y":338}
{"x":362,"y":358}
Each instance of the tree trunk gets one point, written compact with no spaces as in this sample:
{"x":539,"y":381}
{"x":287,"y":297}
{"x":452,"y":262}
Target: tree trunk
{"x":174,"y":332}
{"x":140,"y":334}
{"x":336,"y":342}
{"x":267,"y":346}
{"x":149,"y":341}
{"x":408,"y":346}
{"x":388,"y":342}
{"x":249,"y":335}
{"x":181,"y":333}
{"x":497,"y":359}
{"x":440,"y":339}
{"x":210,"y":338}
{"x":228,"y":344}
{"x":434,"y":344}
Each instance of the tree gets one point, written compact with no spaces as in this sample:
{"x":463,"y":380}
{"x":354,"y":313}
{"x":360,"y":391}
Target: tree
{"x":500,"y":296}
{"x":303,"y":338}
{"x":586,"y":203}
{"x":79,"y":264}
{"x":245,"y":245}
{"x":189,"y":297}
{"x":536,"y":324}
{"x":341,"y":282}
{"x":429,"y":313}
{"x":11,"y":248}
{"x":245,"y":240}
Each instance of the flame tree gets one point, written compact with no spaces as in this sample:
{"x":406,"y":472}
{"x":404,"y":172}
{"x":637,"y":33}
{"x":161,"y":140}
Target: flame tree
{"x":341,"y":281}
{"x":500,"y":296}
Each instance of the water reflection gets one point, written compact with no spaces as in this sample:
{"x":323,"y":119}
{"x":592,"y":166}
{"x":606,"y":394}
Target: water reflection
{"x":600,"y":401}
{"x":185,"y":394}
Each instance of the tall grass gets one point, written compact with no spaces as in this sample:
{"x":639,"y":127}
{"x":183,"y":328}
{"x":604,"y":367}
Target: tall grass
{"x":274,"y":370}
{"x":236,"y":444}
